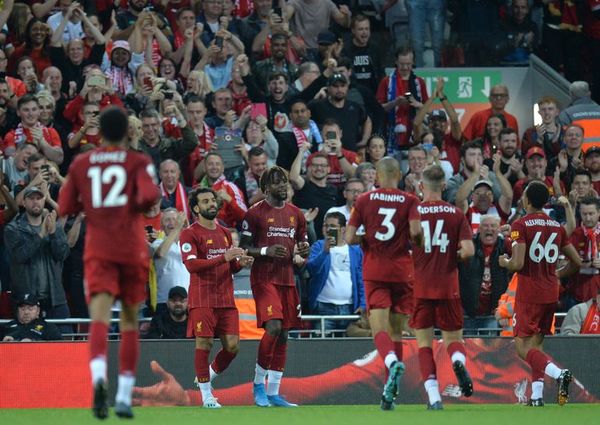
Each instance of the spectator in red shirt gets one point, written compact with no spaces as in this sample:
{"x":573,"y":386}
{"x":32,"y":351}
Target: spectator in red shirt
{"x":30,"y":130}
{"x":36,"y":46}
{"x":499,"y":97}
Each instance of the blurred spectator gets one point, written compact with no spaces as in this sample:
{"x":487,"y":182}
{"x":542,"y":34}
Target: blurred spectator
{"x":520,"y":35}
{"x":122,"y":67}
{"x":570,"y":158}
{"x":423,"y":14}
{"x":217,"y":63}
{"x":591,"y":162}
{"x":72,"y":276}
{"x":482,"y":280}
{"x":367,"y":174}
{"x":352,"y":190}
{"x":38,"y":247}
{"x":72,"y":16}
{"x":582,"y":111}
{"x":482,"y":198}
{"x":336,"y":286}
{"x":222,"y":103}
{"x":16,"y":86}
{"x":549,"y":134}
{"x":232,"y":199}
{"x":257,"y":164}
{"x":256,"y":22}
{"x":401,"y":95}
{"x":30,"y":130}
{"x":14,"y":168}
{"x":583,"y":318}
{"x":26,"y":72}
{"x":196,"y":114}
{"x":28,"y":325}
{"x":506,"y":305}
{"x":313,"y":191}
{"x":39,"y":174}
{"x":160,"y":147}
{"x":586,"y":239}
{"x":498,"y":99}
{"x":258,"y":135}
{"x":8,"y":109}
{"x":591,"y":28}
{"x":355,"y":124}
{"x":342,"y":162}
{"x":472,"y":163}
{"x":89,"y":132}
{"x":127,"y":16}
{"x":173,"y":192}
{"x":304,"y":130}
{"x":277,"y":62}
{"x":491,"y":137}
{"x":307,"y":73}
{"x":365,"y":57}
{"x":170,"y":271}
{"x":171,"y":322}
{"x":36,"y":46}
{"x":10,"y":207}
{"x":535,"y":164}
{"x":511,"y":163}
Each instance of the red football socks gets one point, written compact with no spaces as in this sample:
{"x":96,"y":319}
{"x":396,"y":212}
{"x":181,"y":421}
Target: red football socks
{"x":266,"y":348}
{"x":201,"y":365}
{"x":222,"y":360}
{"x":128,"y":352}
{"x":279,"y":357}
{"x":426,"y":363}
{"x":98,"y":339}
{"x":538,"y":362}
{"x":398,"y":349}
{"x":384,"y":344}
{"x":454,"y":347}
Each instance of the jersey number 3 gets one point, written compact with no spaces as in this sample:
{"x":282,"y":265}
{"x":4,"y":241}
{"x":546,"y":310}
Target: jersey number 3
{"x":388,"y":214}
{"x":116,"y":177}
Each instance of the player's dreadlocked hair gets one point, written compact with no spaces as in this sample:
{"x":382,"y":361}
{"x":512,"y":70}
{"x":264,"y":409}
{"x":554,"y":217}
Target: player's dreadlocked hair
{"x":270,"y":174}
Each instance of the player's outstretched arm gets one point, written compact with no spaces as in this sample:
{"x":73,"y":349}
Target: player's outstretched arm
{"x":516,"y":262}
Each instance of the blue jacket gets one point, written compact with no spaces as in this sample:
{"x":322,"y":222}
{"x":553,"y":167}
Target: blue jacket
{"x":319,"y":263}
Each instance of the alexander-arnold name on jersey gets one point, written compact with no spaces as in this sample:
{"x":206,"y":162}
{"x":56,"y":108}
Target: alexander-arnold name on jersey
{"x":541,"y":222}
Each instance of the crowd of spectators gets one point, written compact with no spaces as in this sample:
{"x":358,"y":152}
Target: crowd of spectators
{"x":219,"y":90}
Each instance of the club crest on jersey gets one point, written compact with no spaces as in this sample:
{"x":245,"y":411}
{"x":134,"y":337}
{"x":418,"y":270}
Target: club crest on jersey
{"x":292,"y":233}
{"x":198,"y":326}
{"x":292,"y":219}
{"x":269,"y":310}
{"x":186,"y":247}
{"x":270,"y":220}
{"x":209,"y":242}
{"x":514,"y":235}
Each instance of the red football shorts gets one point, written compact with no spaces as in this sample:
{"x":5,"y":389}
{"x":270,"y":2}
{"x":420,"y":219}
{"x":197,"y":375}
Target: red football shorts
{"x":397,"y":296}
{"x":126,"y":282}
{"x":206,"y":322}
{"x":532,"y":319}
{"x":446,"y":314}
{"x":277,"y":302}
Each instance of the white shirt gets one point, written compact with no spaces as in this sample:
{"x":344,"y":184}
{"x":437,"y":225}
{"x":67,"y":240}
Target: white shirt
{"x":170,"y":271}
{"x":72,"y":30}
{"x":338,"y":288}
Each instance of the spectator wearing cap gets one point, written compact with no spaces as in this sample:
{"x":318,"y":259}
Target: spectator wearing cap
{"x":328,"y":48}
{"x":72,"y":62}
{"x":312,"y":190}
{"x":584,"y":112}
{"x":482,"y":200}
{"x":170,"y":271}
{"x":570,"y":158}
{"x":171,"y":322}
{"x":28,"y":325}
{"x":277,"y":62}
{"x":37,"y":247}
{"x":122,"y":66}
{"x":499,"y":98}
{"x":591,"y":162}
{"x":310,"y":17}
{"x":354,"y":122}
{"x":443,"y":121}
{"x":536,"y":164}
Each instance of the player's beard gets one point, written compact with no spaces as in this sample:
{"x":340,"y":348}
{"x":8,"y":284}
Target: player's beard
{"x":210,"y":214}
{"x":279,"y":196}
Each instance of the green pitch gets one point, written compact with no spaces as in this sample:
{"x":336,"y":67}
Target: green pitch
{"x":492,"y":414}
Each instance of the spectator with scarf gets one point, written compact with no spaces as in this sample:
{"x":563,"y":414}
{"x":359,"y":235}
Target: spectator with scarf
{"x":304,"y":130}
{"x":173,"y":193}
{"x":122,"y":66}
{"x":583,"y":319}
{"x":393,"y":95}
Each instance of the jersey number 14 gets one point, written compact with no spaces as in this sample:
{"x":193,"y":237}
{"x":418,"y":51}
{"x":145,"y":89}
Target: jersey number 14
{"x":438,"y":239}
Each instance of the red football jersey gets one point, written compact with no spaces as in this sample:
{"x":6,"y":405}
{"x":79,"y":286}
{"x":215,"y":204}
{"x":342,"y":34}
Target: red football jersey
{"x":268,"y":225}
{"x":543,"y":239}
{"x":113,"y":186}
{"x":436,"y":272}
{"x":385,"y":214}
{"x":211,"y":282}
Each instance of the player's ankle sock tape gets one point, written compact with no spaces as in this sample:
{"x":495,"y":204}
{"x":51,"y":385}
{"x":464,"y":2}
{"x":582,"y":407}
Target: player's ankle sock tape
{"x":98,"y":340}
{"x":384,"y":344}
{"x":222,"y":360}
{"x":266,"y":349}
{"x":426,"y":363}
{"x":129,"y":350}
{"x":201,"y":365}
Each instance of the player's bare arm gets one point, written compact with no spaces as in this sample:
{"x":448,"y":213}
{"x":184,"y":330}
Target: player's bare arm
{"x":573,"y":265}
{"x":466,"y":251}
{"x":416,"y":232}
{"x":516,"y":262}
{"x":352,"y":238}
{"x":273,"y":251}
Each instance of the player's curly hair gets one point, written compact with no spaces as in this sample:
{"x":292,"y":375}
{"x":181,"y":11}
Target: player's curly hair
{"x":193,"y":197}
{"x":269,"y":175}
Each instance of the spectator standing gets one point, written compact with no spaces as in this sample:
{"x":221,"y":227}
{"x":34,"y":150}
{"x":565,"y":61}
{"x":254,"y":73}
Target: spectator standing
{"x":353,"y":189}
{"x":498,"y":97}
{"x":582,"y":111}
{"x":336,"y":284}
{"x":423,"y":14}
{"x":366,"y":61}
{"x":547,"y":135}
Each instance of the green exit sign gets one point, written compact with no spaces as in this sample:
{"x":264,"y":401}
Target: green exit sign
{"x":462,"y":86}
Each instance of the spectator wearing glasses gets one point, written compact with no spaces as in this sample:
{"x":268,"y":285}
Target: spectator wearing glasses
{"x":354,"y":187}
{"x":499,"y":97}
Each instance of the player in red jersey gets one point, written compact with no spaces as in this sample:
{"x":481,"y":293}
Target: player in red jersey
{"x":537,"y":243}
{"x":390,"y":218}
{"x":272,"y":231}
{"x":113,"y":186}
{"x":447,"y":239}
{"x":210,"y":257}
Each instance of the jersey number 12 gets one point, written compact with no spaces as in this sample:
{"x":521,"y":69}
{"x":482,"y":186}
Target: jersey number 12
{"x":114,"y":175}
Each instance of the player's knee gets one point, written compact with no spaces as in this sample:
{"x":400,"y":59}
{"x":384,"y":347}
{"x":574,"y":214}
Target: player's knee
{"x":232,"y":348}
{"x":273,"y":328}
